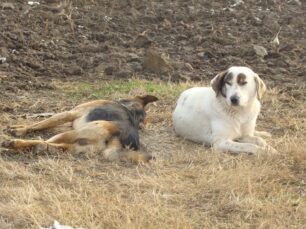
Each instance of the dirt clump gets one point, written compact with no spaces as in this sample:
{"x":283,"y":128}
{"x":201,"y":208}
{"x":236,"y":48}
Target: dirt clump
{"x":155,"y":62}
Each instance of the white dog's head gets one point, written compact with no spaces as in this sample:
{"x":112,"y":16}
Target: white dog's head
{"x":238,"y":85}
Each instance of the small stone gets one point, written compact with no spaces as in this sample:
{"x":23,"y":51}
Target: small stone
{"x":8,"y":6}
{"x":260,"y":51}
{"x":166,"y":23}
{"x":205,"y":55}
{"x":298,"y":2}
{"x":132,"y":57}
{"x":31,"y":3}
{"x":2,"y":60}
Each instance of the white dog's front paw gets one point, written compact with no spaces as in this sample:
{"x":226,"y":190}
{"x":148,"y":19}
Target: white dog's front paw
{"x":260,"y":142}
{"x":251,"y":148}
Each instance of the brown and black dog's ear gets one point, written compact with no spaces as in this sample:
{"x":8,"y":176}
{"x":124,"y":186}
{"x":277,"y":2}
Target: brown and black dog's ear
{"x":146,"y":99}
{"x":260,"y":86}
{"x":217,"y":82}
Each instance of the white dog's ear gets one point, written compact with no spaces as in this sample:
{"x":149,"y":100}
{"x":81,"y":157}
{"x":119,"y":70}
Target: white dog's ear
{"x":260,"y":86}
{"x":217,"y":82}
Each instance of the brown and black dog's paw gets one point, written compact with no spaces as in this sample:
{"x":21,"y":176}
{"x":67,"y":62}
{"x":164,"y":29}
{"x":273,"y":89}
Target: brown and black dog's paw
{"x":16,"y":131}
{"x":138,"y":157}
{"x":8,"y":144}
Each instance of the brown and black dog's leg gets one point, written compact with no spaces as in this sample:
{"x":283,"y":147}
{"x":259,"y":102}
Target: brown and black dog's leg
{"x":93,"y":136}
{"x":36,"y":145}
{"x":63,"y":141}
{"x":57,"y":119}
{"x":49,"y":123}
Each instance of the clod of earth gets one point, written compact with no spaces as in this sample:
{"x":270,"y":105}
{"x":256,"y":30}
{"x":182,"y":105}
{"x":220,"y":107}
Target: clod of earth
{"x":155,"y":62}
{"x":109,"y":70}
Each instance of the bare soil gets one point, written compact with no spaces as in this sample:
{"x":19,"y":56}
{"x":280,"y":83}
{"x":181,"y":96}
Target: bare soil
{"x":40,"y":44}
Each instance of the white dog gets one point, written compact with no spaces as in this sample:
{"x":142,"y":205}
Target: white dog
{"x":223,"y":115}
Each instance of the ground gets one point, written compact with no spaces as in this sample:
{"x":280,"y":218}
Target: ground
{"x":57,"y":57}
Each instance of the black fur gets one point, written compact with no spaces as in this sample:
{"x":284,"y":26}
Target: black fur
{"x":125,"y":116}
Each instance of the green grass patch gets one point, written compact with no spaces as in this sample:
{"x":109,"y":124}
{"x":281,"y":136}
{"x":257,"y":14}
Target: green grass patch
{"x":115,"y":88}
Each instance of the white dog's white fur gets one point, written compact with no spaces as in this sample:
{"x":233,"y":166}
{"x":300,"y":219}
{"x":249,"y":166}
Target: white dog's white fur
{"x":223,"y":115}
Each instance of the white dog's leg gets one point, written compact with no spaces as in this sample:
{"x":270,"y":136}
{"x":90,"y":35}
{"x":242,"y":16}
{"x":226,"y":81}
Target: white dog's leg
{"x":236,"y":147}
{"x":252,"y":139}
{"x":262,"y":134}
{"x":258,"y":141}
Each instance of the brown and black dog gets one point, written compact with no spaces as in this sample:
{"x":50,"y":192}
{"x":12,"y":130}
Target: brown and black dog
{"x":98,"y":126}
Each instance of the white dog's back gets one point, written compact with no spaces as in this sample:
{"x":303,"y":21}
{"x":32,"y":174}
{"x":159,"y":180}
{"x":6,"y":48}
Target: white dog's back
{"x":192,"y":113}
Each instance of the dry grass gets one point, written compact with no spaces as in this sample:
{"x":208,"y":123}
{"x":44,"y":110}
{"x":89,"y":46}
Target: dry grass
{"x":188,"y":186}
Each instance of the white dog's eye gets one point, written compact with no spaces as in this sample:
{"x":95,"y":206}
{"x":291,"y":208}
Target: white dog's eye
{"x":228,"y":83}
{"x":243,"y":83}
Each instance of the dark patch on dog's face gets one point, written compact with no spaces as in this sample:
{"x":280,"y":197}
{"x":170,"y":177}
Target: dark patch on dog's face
{"x":220,"y":81}
{"x":217,"y":82}
{"x":228,"y":79}
{"x":241,"y":79}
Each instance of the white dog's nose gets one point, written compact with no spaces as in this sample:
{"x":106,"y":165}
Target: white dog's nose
{"x":234,"y":100}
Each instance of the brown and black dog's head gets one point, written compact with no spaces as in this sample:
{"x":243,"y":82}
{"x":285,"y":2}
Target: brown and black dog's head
{"x":128,"y":114}
{"x":137,"y":107}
